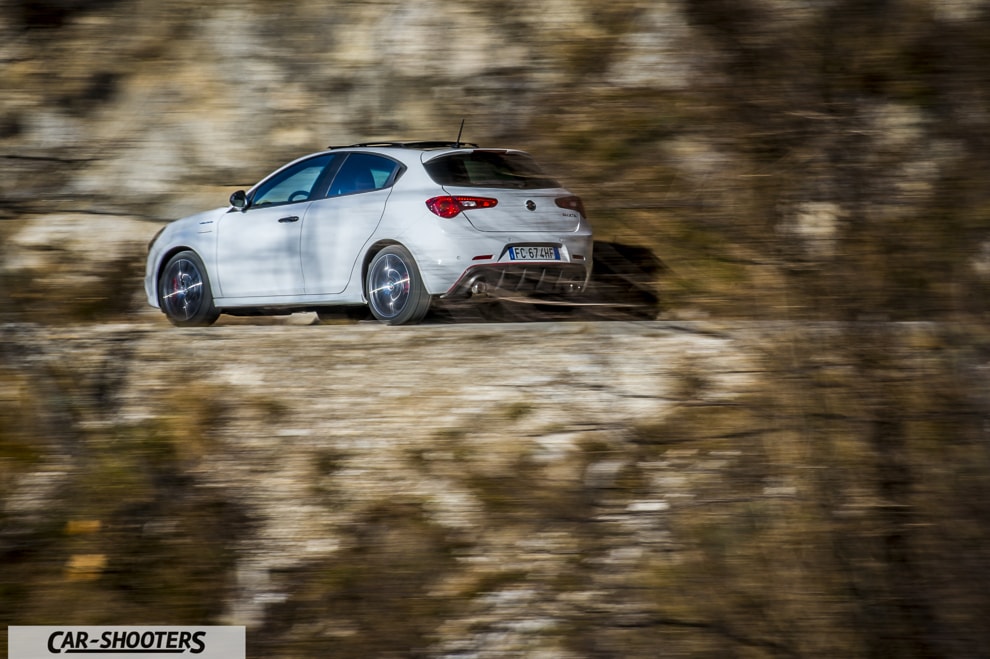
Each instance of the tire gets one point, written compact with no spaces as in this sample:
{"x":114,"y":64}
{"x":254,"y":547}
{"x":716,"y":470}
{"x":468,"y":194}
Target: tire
{"x":184,"y":293}
{"x":394,"y":288}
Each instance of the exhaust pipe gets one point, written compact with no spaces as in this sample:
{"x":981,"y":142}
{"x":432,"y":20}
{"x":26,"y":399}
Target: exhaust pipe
{"x":479,"y":287}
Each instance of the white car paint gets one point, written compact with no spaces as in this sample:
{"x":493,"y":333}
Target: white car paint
{"x":311,"y":254}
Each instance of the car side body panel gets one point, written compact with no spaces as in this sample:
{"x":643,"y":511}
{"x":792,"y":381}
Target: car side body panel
{"x":257,"y":251}
{"x":197,"y":233}
{"x":333,"y":233}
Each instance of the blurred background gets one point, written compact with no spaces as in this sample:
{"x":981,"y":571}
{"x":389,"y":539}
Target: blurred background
{"x":801,"y":184}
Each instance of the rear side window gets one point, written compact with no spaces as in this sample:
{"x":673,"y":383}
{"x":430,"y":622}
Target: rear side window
{"x":489,"y":169}
{"x":363,"y":172}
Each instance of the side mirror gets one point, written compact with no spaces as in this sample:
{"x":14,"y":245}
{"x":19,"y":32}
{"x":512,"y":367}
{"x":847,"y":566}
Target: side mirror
{"x":239,"y":200}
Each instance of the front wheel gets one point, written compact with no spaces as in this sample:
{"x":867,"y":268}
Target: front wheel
{"x":184,"y":292}
{"x":396,"y":293}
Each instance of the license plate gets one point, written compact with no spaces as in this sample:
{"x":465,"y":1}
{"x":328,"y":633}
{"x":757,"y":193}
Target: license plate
{"x":534,"y":253}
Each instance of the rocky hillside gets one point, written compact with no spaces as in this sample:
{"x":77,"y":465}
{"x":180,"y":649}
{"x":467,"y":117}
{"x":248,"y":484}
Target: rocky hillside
{"x":791,"y":461}
{"x":541,"y":489}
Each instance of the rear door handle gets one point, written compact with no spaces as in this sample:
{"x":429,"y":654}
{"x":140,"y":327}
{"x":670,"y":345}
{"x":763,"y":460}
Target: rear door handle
{"x":291,"y":218}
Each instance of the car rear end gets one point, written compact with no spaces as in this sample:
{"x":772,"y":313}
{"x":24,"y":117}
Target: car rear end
{"x":531,"y":235}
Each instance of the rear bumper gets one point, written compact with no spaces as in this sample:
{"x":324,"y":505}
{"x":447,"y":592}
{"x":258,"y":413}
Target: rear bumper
{"x":518,"y":278}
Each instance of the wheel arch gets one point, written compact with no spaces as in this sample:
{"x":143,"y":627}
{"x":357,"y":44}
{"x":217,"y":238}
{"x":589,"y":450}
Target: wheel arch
{"x":369,"y":256}
{"x":167,"y":256}
{"x":395,"y":301}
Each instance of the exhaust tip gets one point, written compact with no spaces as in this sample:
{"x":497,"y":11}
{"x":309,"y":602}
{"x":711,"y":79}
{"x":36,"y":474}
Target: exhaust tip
{"x":479,"y":287}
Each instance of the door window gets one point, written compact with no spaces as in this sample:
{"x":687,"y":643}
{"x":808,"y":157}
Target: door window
{"x":295,"y":184}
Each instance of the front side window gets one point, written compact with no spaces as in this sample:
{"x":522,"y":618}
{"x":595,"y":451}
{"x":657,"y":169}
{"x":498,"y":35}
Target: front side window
{"x":363,"y":172}
{"x":297,"y":183}
{"x":489,"y":169}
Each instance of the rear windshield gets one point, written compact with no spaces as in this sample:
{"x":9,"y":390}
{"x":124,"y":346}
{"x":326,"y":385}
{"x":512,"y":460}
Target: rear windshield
{"x":489,"y":169}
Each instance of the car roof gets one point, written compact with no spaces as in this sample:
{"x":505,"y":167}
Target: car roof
{"x":416,"y":151}
{"x":410,"y":144}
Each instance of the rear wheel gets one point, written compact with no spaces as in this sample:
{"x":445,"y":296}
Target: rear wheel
{"x":395,"y":291}
{"x":184,"y":292}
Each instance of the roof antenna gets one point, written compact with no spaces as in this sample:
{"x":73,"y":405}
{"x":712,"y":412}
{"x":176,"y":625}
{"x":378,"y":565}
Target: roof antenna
{"x":457,"y":144}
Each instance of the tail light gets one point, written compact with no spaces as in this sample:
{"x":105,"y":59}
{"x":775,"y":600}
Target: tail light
{"x":448,"y":206}
{"x":572,"y":202}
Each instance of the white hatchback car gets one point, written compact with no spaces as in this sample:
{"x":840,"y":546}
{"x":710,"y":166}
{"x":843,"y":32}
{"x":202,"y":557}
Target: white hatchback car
{"x":385,"y":227}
